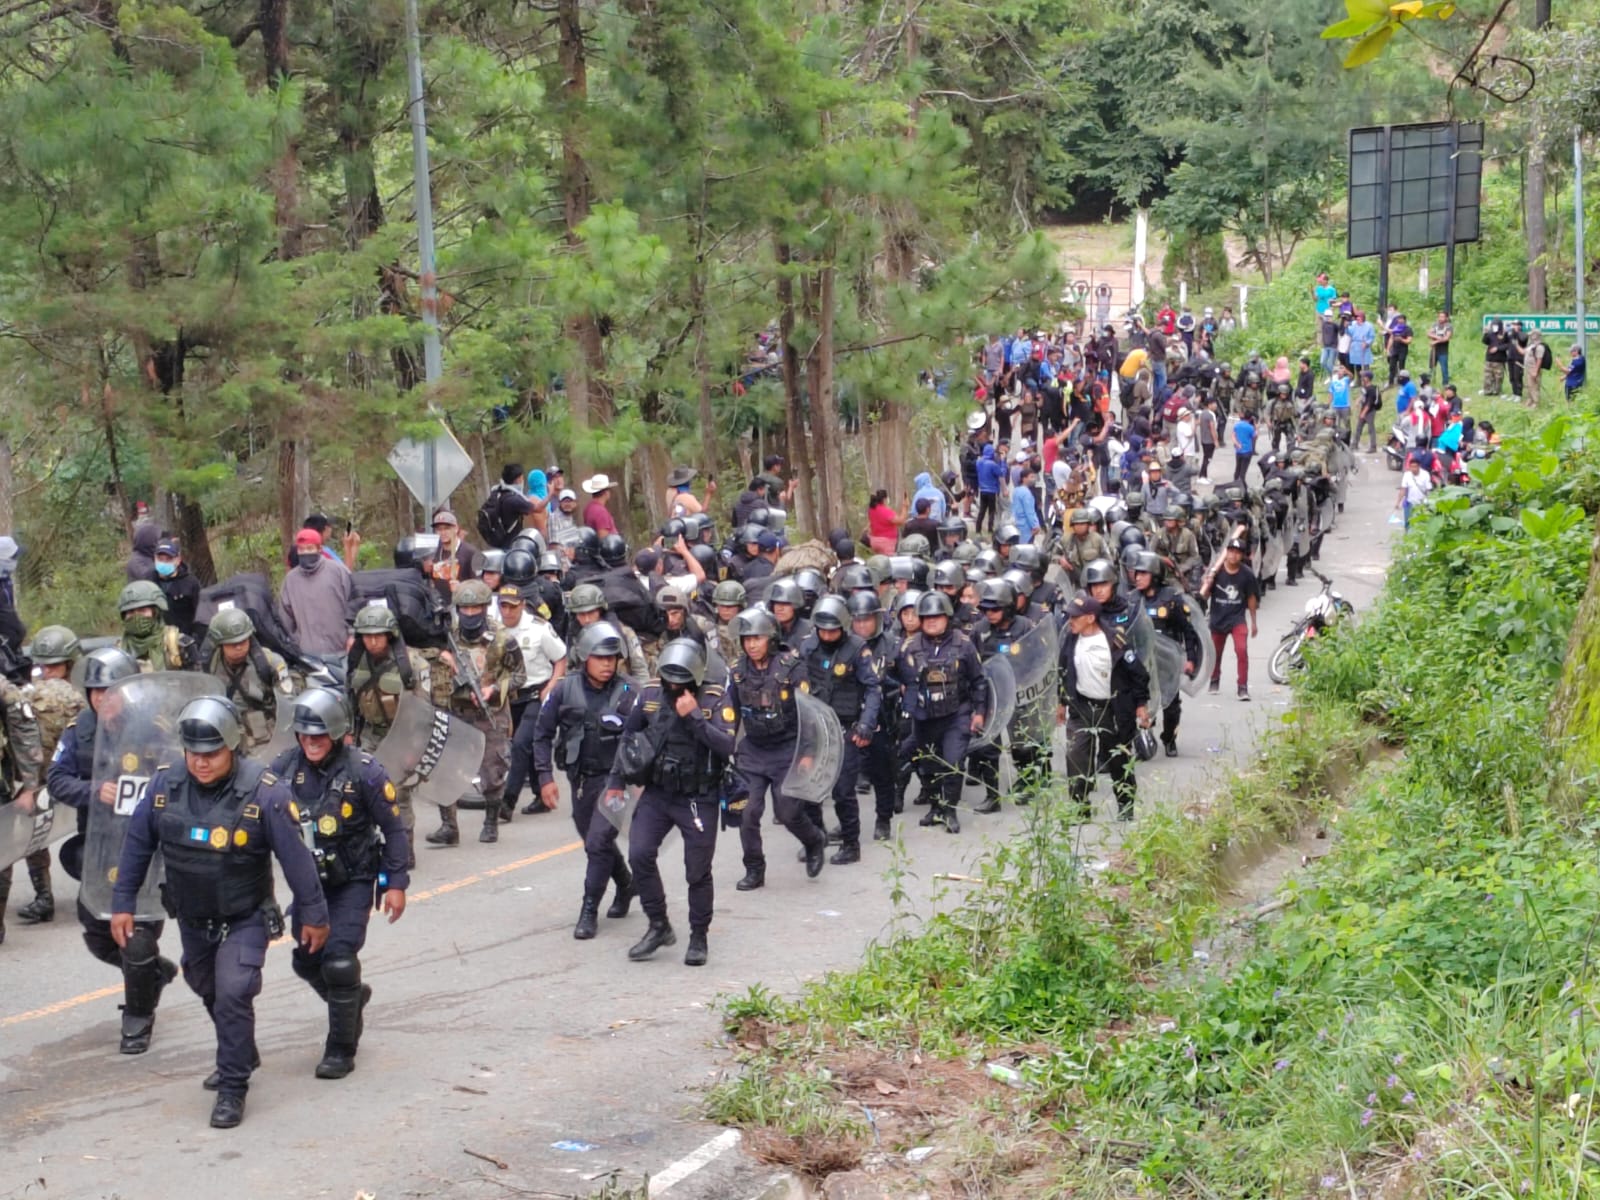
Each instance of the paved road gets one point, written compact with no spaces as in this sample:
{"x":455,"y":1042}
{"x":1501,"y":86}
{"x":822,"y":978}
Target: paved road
{"x":492,"y":1030}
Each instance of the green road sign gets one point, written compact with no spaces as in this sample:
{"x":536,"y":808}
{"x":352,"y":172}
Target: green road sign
{"x":1566,"y":323}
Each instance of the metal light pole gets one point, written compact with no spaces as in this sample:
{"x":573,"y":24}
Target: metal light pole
{"x":432,"y":365}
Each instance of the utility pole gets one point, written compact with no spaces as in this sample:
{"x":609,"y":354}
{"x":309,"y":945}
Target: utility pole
{"x":1577,"y":229}
{"x":432,"y":364}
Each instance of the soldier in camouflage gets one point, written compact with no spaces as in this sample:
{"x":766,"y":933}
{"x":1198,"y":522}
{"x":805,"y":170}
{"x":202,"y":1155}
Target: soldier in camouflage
{"x":728,"y":598}
{"x":381,"y":668}
{"x":586,"y":605}
{"x":480,"y":692}
{"x":252,"y":676}
{"x":1083,"y":546}
{"x":55,"y":702}
{"x":153,"y":645}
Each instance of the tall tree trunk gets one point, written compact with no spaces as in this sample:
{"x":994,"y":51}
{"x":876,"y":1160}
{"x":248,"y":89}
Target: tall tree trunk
{"x":1534,"y":201}
{"x":824,"y":403}
{"x":794,"y":415}
{"x":587,"y":393}
{"x":702,"y":362}
{"x":8,"y":486}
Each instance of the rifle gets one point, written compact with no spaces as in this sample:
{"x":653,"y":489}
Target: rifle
{"x":466,"y":673}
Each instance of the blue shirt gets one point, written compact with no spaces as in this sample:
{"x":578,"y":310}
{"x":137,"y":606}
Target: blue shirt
{"x":1024,"y":512}
{"x":1450,"y":439}
{"x":1404,"y":397}
{"x":1575,"y":372}
{"x":1339,"y":389}
{"x":1244,"y":434}
{"x":1325,"y":295}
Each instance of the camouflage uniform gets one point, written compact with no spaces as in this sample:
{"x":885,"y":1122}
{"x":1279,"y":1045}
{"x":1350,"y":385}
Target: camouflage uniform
{"x":24,"y":767}
{"x":1076,"y":551}
{"x":375,"y":688}
{"x":254,"y":686}
{"x":498,"y":661}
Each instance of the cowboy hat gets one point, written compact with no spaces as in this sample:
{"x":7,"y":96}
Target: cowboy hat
{"x":597,"y":484}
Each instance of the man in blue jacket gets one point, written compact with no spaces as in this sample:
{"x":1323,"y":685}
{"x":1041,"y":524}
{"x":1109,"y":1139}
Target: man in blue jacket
{"x":991,"y":471}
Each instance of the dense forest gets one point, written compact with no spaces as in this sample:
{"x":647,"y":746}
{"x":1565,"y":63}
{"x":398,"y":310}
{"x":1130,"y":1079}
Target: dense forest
{"x":208,"y":252}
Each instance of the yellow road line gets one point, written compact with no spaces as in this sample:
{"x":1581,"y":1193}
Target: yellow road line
{"x":443,"y":889}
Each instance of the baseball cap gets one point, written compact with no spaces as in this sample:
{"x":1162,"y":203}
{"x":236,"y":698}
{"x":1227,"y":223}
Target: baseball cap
{"x":168,"y":546}
{"x":308,"y":537}
{"x":768,"y":540}
{"x":566,"y":494}
{"x":1083,"y":605}
{"x":1236,"y":544}
{"x":445,"y":517}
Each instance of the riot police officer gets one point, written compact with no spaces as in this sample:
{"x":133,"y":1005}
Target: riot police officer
{"x":1044,"y":597}
{"x":1003,"y":626}
{"x":950,"y":577}
{"x":252,"y":676}
{"x":1168,"y":610}
{"x":55,"y":703}
{"x":577,"y":731}
{"x":761,"y":692}
{"x":218,"y":820}
{"x":841,"y":672}
{"x":480,"y":690}
{"x":153,"y":645}
{"x":23,"y":765}
{"x":947,"y":698}
{"x":677,"y":742}
{"x":349,"y":816}
{"x":883,"y":766}
{"x":381,"y":669}
{"x":786,"y":600}
{"x":1104,"y":691}
{"x":71,"y":779}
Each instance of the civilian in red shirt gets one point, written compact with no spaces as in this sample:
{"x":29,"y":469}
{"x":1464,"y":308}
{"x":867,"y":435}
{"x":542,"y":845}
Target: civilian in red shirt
{"x":1167,"y":320}
{"x":595,"y":513}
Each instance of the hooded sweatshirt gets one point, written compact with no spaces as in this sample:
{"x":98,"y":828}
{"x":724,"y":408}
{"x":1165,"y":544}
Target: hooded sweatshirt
{"x":927,"y":490}
{"x":314,"y":606}
{"x":142,"y":562}
{"x":990,"y":472}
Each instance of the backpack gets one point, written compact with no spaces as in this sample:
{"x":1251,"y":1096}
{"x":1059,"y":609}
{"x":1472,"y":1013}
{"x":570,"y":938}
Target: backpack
{"x":495,"y":526}
{"x":252,"y":593}
{"x":1169,"y":410}
{"x":1546,"y":359}
{"x":415,"y":604}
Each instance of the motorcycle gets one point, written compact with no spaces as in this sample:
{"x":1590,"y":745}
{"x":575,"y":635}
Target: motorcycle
{"x":1397,"y":447}
{"x":1321,"y":612}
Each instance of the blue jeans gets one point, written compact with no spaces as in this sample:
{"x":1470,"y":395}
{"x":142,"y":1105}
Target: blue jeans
{"x":1330,"y":355}
{"x":1441,"y":364}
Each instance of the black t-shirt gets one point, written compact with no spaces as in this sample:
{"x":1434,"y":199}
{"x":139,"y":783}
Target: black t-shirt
{"x":1231,"y":592}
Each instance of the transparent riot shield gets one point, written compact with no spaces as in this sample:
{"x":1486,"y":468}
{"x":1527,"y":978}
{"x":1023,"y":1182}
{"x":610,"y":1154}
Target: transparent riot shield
{"x":21,"y":833}
{"x":1002,"y":700}
{"x":619,"y":810}
{"x":437,"y":750}
{"x":138,"y":731}
{"x":1142,"y":636}
{"x":818,"y":751}
{"x":1034,"y":658}
{"x":1272,"y":555}
{"x":1191,"y":685}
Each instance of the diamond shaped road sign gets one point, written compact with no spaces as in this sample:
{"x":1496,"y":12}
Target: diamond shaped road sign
{"x":451,"y":465}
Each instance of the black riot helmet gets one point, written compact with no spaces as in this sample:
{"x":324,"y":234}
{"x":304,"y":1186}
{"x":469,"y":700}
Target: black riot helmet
{"x":683,"y":663}
{"x":935,"y":604}
{"x":521,"y":567}
{"x":996,"y":593}
{"x":785,"y":591}
{"x":613,"y":550}
{"x":865,"y":605}
{"x":830,"y":613}
{"x":1099,"y":570}
{"x":853,"y":578}
{"x":320,"y":711}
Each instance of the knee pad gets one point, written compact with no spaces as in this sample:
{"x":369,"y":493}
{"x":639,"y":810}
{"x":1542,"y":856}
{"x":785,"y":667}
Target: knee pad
{"x":341,"y":970}
{"x":142,"y":949}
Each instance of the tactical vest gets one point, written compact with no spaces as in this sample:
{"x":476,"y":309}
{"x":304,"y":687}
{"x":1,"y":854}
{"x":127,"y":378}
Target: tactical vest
{"x":335,"y":823}
{"x":589,"y":745}
{"x":884,"y":648}
{"x":685,"y":766}
{"x":942,"y":689}
{"x":217,"y":861}
{"x":831,"y":676}
{"x":371,"y":686}
{"x":767,"y":708}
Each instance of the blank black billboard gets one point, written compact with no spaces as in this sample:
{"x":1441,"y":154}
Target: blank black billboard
{"x":1419,"y":164}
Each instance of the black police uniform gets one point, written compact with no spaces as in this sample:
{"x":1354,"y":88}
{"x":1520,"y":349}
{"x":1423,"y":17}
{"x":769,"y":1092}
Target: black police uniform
{"x":218,"y":843}
{"x":577,"y":731}
{"x":884,"y":767}
{"x":1169,"y":612}
{"x":762,"y":699}
{"x":985,"y":762}
{"x":1100,"y":732}
{"x":943,"y":685}
{"x":680,"y":793}
{"x":348,"y":814}
{"x":844,"y":676}
{"x":70,"y":778}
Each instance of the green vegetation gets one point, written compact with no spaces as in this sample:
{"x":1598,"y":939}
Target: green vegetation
{"x":1422,"y":1012}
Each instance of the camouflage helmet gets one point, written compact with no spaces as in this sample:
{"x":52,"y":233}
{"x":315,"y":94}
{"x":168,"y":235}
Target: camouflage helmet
{"x":232,"y":625}
{"x":729,"y":593}
{"x":54,"y":644}
{"x":374,"y":618}
{"x":586,"y":597}
{"x":141,"y":593}
{"x":473,"y":592}
{"x":1081,"y":516}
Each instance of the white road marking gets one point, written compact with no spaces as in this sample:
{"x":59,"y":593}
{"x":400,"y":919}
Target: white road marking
{"x":675,"y":1173}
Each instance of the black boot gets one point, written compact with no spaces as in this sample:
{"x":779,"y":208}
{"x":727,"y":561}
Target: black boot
{"x":816,"y":855}
{"x":588,"y":919}
{"x":881,"y":831}
{"x":42,"y":907}
{"x":658,"y":935}
{"x":228,"y":1111}
{"x":989,"y":804}
{"x":695,"y":955}
{"x":5,"y":894}
{"x":346,"y":1005}
{"x":754,"y":877}
{"x":952,"y":823}
{"x":137,"y":1029}
{"x":624,"y":894}
{"x":447,"y":834}
{"x":491,"y":822}
{"x":506,"y":811}
{"x":849,"y":852}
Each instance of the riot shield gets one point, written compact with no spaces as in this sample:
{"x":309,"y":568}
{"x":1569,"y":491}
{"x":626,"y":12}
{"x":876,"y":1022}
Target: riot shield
{"x":22,"y":833}
{"x":1170,"y":655}
{"x":1034,"y":658}
{"x":619,"y":810}
{"x":282,"y":732}
{"x":1002,"y":700}
{"x":818,"y":751}
{"x":138,"y":731}
{"x":1191,"y":685}
{"x":438,"y":750}
{"x":1142,"y":636}
{"x":1272,"y":555}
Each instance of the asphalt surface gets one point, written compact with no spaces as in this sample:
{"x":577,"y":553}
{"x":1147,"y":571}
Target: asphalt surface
{"x":492,"y":1030}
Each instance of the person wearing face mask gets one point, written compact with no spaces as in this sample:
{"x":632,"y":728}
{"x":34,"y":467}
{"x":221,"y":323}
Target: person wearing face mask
{"x":181,"y":588}
{"x":153,"y":645}
{"x":315,"y":598}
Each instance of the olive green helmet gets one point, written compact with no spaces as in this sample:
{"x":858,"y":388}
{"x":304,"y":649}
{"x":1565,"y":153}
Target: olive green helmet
{"x":141,"y":594}
{"x":473,"y":592}
{"x":728,"y":592}
{"x":916,"y":545}
{"x":54,"y":644}
{"x":878,"y":567}
{"x":232,"y":625}
{"x":376,"y":618}
{"x":586,"y":597}
{"x":1081,"y":516}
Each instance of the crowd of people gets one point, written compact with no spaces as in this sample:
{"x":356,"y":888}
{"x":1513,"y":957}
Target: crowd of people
{"x":1066,"y":571}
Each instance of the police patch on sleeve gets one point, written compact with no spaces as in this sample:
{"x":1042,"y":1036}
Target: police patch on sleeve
{"x":1130,"y":657}
{"x":388,"y":790}
{"x":727,"y":714}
